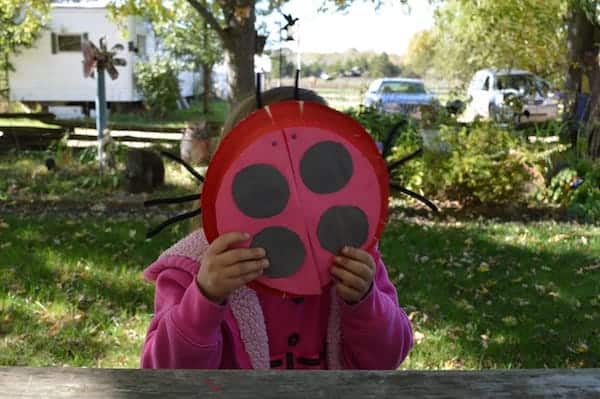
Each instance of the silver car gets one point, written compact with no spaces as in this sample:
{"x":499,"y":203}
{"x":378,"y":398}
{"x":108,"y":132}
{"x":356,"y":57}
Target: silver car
{"x":510,"y":94}
{"x":398,"y":95}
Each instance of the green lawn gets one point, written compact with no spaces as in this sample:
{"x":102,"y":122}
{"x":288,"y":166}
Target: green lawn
{"x":25,"y":178}
{"x":25,"y":122}
{"x":176,"y":119}
{"x":480,"y":294}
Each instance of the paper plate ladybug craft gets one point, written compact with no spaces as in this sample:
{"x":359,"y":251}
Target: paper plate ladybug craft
{"x":304,"y":181}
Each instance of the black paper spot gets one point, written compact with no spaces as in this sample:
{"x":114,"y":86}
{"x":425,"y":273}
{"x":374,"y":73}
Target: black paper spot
{"x":340,"y":226}
{"x":260,"y":191}
{"x":326,"y":167}
{"x":284,"y":248}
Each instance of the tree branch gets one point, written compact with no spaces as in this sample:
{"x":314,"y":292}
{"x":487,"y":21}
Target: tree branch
{"x":208,"y":16}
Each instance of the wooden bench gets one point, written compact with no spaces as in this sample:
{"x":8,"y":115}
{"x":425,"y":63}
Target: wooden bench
{"x":62,"y":383}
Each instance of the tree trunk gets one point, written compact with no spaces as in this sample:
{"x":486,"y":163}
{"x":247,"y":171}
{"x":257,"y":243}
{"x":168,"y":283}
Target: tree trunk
{"x":580,"y":34}
{"x":592,"y":131}
{"x":239,"y":41}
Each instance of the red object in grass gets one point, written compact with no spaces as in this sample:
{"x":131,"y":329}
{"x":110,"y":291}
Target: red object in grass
{"x":303,"y":180}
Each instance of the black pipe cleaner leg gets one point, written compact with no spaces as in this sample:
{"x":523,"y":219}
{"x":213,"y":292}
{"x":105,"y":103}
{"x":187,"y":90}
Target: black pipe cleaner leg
{"x":172,"y":220}
{"x":185,"y":164}
{"x":397,"y":187}
{"x":389,"y":137}
{"x":172,"y":200}
{"x":258,"y":91}
{"x":392,"y":166}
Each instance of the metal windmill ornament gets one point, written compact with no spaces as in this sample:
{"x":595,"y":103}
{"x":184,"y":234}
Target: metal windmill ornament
{"x":99,"y":59}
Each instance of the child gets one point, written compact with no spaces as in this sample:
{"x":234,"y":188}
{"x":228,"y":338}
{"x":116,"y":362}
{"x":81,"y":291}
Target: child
{"x":206,"y":317}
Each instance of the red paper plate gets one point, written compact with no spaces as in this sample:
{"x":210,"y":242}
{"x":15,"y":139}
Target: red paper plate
{"x":303,"y":180}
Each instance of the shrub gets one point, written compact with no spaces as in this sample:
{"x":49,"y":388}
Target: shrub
{"x":577,"y":188}
{"x":559,"y":189}
{"x":484,"y":164}
{"x":157,"y":81}
{"x":378,"y":124}
{"x":406,"y":141}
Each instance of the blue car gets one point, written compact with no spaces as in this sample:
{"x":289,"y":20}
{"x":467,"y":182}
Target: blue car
{"x":398,"y":95}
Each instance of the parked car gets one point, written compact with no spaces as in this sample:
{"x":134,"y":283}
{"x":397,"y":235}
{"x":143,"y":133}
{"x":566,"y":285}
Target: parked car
{"x":509,"y":94}
{"x":399,"y":95}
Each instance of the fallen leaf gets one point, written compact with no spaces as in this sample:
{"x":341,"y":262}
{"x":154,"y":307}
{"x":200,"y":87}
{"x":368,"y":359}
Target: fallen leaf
{"x":540,"y":288}
{"x":592,"y":267}
{"x":418,"y":337}
{"x":558,"y":237}
{"x":580,"y":347}
{"x":483,"y":267}
{"x":99,"y":207}
{"x":509,"y":320}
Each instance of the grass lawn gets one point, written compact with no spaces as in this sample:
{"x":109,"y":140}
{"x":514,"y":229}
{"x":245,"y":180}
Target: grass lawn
{"x":480,"y":294}
{"x":25,"y":122}
{"x":25,"y":178}
{"x":487,"y":294}
{"x":176,"y":119}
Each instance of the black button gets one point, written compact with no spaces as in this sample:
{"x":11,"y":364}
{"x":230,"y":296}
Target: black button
{"x":298,"y":301}
{"x":293,"y":339}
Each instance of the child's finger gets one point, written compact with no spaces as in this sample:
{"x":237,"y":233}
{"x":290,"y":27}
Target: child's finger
{"x":238,"y":255}
{"x":349,"y":294}
{"x":360,"y":269}
{"x":224,"y":241}
{"x":242,"y":268}
{"x":246,"y":278}
{"x":359,"y":255}
{"x":349,"y":279}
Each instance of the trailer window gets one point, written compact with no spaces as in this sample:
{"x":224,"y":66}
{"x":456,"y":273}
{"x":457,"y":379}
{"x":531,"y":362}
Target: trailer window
{"x":68,"y":42}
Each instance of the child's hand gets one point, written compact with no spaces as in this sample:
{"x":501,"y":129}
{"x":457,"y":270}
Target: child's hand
{"x":224,"y":270}
{"x":353,"y":271}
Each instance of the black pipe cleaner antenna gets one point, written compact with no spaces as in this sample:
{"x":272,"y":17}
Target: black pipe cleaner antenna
{"x":258,"y":91}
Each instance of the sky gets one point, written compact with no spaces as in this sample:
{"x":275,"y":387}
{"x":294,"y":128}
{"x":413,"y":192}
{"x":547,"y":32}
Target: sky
{"x":362,"y":27}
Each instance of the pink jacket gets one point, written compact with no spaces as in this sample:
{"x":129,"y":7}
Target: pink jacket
{"x":256,"y":331}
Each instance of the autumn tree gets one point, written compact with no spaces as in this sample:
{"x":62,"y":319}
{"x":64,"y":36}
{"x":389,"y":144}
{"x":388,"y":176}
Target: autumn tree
{"x":233,"y":22}
{"x":189,"y":39}
{"x":469,"y":35}
{"x":420,"y":51}
{"x":20,"y":24}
